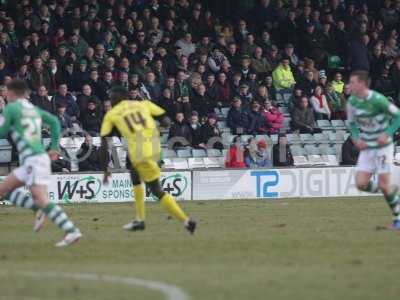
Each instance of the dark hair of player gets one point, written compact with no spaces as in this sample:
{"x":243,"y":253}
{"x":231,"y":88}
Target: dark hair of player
{"x":19,"y":87}
{"x":362,"y":76}
{"x":118,"y":94}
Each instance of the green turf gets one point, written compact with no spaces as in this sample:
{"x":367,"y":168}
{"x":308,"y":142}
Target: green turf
{"x":296,"y":249}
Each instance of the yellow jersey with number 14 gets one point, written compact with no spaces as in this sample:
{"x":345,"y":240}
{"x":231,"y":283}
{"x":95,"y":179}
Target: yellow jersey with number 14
{"x":135,"y":122}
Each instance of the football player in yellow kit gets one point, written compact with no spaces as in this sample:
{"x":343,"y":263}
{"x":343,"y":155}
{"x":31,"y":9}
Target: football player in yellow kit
{"x":135,"y":121}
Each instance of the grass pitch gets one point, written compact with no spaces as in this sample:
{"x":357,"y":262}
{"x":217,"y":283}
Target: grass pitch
{"x":296,"y":249}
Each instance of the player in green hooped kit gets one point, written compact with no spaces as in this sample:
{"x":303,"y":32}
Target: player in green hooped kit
{"x":373,"y":120}
{"x":24,"y":121}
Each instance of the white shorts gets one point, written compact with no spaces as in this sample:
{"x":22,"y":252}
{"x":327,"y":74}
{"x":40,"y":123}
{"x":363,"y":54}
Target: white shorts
{"x":378,"y":160}
{"x":35,"y":170}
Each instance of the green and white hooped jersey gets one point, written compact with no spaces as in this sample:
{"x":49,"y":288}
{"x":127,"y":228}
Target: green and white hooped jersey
{"x":373,"y":116}
{"x":24,"y":121}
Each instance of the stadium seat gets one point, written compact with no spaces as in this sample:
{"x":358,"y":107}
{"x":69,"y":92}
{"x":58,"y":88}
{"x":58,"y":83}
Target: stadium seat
{"x":164,"y":139}
{"x":46,"y":142}
{"x":321,"y":138}
{"x":214,"y":153}
{"x":196,"y":163}
{"x":312,"y":149}
{"x":116,"y":141}
{"x":5,"y":151}
{"x":297,"y":150}
{"x":198,"y":153}
{"x":180,"y":163}
{"x":284,"y":110}
{"x":169,"y":153}
{"x":337,"y":137}
{"x":245,"y":138}
{"x":286,"y":124}
{"x":225,"y":110}
{"x":397,"y":149}
{"x":293,"y":138}
{"x":167,"y":163}
{"x":214,"y":162}
{"x":338,"y":124}
{"x":221,"y":124}
{"x":96,"y":141}
{"x":299,"y":155}
{"x":184,"y":153}
{"x":274,"y":139}
{"x":335,"y":63}
{"x":324,"y":124}
{"x":307,"y":138}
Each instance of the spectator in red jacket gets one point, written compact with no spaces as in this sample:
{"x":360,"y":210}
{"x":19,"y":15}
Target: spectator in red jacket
{"x":235,"y":157}
{"x":273,"y":117}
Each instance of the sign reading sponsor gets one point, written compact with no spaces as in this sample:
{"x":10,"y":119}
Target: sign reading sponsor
{"x":75,"y":188}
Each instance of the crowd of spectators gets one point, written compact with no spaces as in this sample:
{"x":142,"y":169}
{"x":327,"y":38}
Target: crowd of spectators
{"x":192,"y":57}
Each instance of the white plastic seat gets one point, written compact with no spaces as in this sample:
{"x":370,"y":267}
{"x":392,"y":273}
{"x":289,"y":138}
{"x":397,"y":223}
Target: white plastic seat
{"x":196,"y":163}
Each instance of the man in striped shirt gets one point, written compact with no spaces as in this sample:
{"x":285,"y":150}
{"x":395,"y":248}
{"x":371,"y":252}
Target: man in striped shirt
{"x":373,"y":120}
{"x":24,"y":121}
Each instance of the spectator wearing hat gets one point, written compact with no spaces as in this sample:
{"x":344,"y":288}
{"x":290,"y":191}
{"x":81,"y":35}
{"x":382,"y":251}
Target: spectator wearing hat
{"x":283,"y":77}
{"x":289,"y":52}
{"x":235,"y":157}
{"x":303,"y":119}
{"x":322,"y":78}
{"x":256,"y":121}
{"x":64,"y":118}
{"x":210,"y":133}
{"x":256,"y":155}
{"x":180,"y":132}
{"x":237,"y":119}
{"x":281,"y":155}
{"x":273,"y":117}
{"x":320,"y":104}
{"x":91,"y":118}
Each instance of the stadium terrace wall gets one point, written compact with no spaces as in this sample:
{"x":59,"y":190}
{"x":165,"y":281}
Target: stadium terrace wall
{"x":218,"y":184}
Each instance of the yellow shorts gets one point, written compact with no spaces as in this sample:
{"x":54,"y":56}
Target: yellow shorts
{"x":148,"y":170}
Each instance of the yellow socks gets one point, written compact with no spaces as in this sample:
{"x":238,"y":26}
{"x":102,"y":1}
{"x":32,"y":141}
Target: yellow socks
{"x":138,"y":191}
{"x":169,"y":203}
